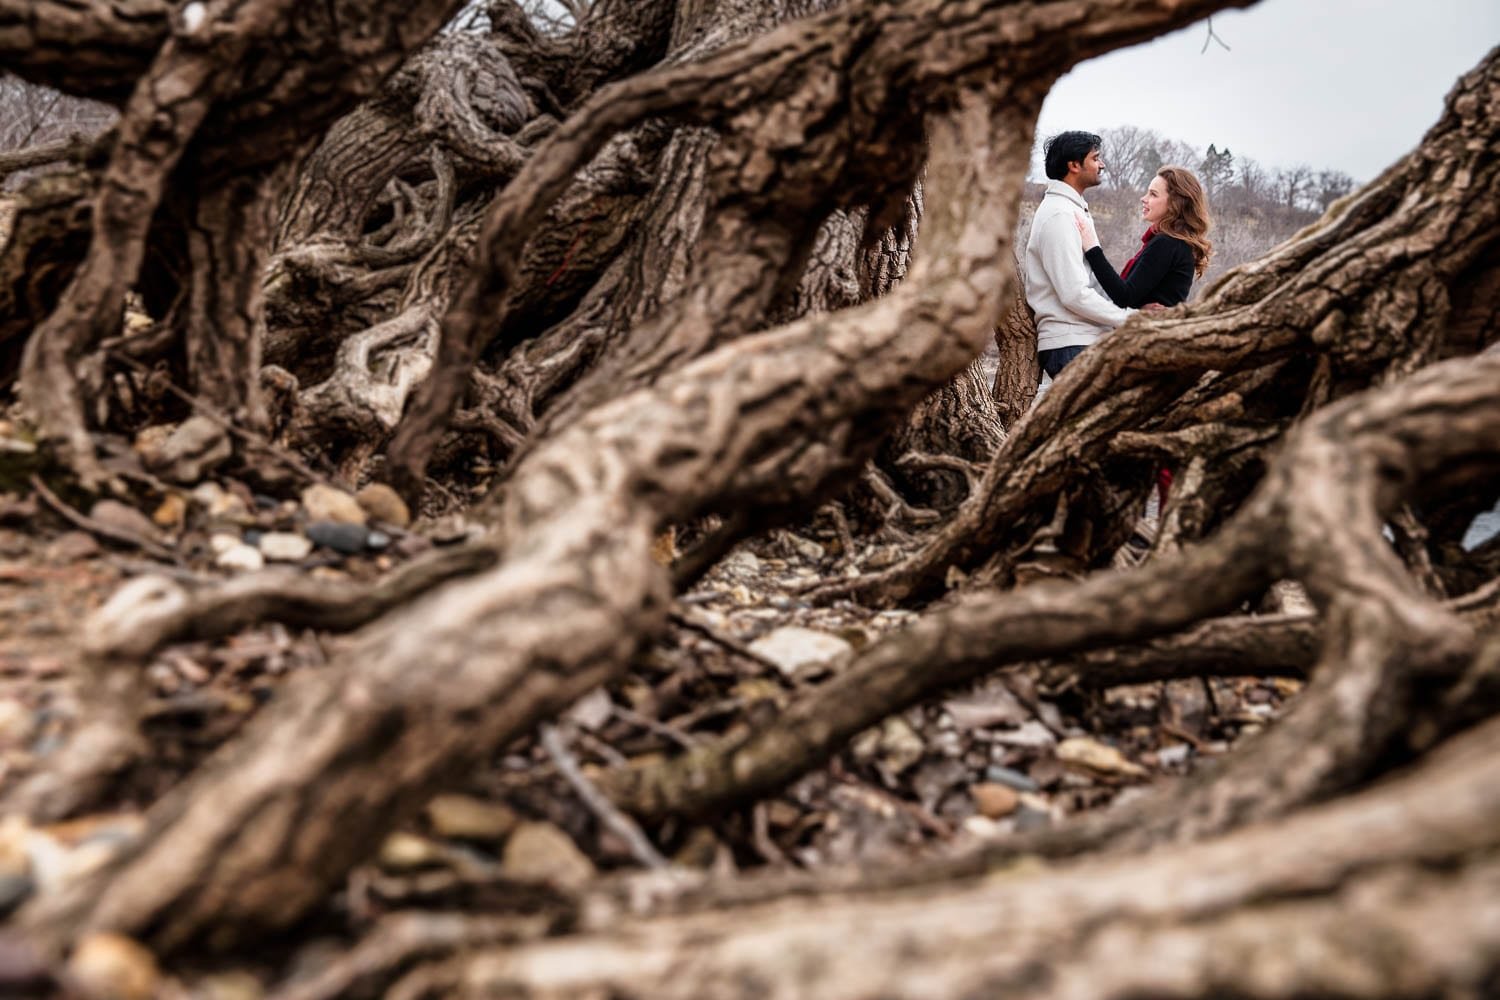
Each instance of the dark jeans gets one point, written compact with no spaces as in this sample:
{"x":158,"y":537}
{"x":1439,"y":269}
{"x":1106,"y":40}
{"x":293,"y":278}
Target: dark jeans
{"x":1055,"y":360}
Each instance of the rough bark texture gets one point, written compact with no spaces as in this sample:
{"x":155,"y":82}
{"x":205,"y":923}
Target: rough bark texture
{"x":733,"y":258}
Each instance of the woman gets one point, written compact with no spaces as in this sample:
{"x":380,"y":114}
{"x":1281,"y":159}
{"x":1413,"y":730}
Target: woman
{"x":1174,"y":250}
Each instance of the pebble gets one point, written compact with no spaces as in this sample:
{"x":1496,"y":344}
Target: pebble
{"x":994,"y":800}
{"x":123,"y":517}
{"x":795,"y":649}
{"x":194,"y":449}
{"x":221,"y":504}
{"x":405,"y":851}
{"x":809,"y":550}
{"x":1173,"y":755}
{"x":106,"y":966}
{"x":170,"y":513}
{"x":340,"y":536}
{"x":384,"y":504}
{"x":72,"y":546}
{"x":900,"y":746}
{"x":221,"y":542}
{"x":1029,"y":734}
{"x":1011,"y":778}
{"x":231,"y":986}
{"x":324,"y":503}
{"x":284,"y":546}
{"x":16,"y":723}
{"x":1100,"y":758}
{"x":461,"y":817}
{"x":242,"y":558}
{"x":741,"y":561}
{"x":540,"y":852}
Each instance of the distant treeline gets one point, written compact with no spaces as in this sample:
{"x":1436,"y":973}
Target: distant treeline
{"x":1254,"y":207}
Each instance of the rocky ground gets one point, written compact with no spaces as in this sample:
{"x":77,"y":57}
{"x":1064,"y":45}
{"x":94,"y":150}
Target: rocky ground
{"x":1007,"y":755}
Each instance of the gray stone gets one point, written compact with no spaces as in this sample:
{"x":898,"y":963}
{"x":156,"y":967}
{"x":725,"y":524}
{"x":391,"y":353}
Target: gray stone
{"x":123,"y":517}
{"x":339,"y":536}
{"x":195,"y":448}
{"x":1013,"y":779}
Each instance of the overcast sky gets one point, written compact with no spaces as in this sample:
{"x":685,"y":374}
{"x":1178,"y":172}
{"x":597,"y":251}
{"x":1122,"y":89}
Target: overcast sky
{"x":1346,"y":84}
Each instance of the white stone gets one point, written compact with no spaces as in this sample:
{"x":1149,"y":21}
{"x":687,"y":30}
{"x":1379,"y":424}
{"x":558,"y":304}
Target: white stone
{"x":242,"y":557}
{"x":221,"y":542}
{"x":794,"y":649}
{"x":284,"y":546}
{"x":740,"y":561}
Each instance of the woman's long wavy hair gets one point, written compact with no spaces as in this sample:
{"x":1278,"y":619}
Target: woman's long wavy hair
{"x":1187,"y":215}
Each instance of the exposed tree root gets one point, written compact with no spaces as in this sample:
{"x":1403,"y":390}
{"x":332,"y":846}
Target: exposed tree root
{"x":1323,"y":529}
{"x":1348,"y":899}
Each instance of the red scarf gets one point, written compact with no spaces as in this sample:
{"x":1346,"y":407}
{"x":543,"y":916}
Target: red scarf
{"x":1147,"y":238}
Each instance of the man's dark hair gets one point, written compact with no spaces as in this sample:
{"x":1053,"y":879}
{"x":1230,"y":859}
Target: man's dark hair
{"x":1068,"y":147}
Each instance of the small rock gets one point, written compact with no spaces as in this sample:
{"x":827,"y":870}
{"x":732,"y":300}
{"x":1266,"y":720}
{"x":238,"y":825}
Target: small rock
{"x":340,"y":536}
{"x":664,"y":547}
{"x":106,"y":966}
{"x":123,"y":517}
{"x":741,"y":561}
{"x":150,"y":443}
{"x":996,"y":707}
{"x":900,"y":746}
{"x":795,"y":649}
{"x":1031,"y":734}
{"x":540,"y":852}
{"x":221,"y":542}
{"x":809,"y":550}
{"x":592,"y":710}
{"x":242,"y":558}
{"x":984,"y":828}
{"x":406,"y":851}
{"x":1174,"y":755}
{"x":1027,"y":820}
{"x":283,"y":546}
{"x":170,"y":513}
{"x":377,"y":540}
{"x":384,"y":504}
{"x":222,"y":505}
{"x":194,"y":449}
{"x":324,"y":503}
{"x":1091,"y":755}
{"x":460,"y":817}
{"x":994,"y":800}
{"x":1010,"y":778}
{"x":72,"y":546}
{"x":230,"y":986}
{"x":16,"y":723}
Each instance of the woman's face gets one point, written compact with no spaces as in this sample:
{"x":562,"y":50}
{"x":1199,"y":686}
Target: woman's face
{"x":1154,"y":204}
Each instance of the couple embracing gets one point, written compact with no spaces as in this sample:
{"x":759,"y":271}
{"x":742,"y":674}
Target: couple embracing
{"x":1071,"y":286}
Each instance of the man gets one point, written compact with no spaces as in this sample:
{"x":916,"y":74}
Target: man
{"x":1071,"y":308}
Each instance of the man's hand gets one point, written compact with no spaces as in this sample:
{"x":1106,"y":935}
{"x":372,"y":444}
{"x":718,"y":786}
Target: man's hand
{"x":1153,"y":307}
{"x":1085,"y":225}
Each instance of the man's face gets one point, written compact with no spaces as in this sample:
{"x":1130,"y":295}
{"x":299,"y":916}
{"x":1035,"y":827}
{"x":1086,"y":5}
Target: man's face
{"x":1089,"y":170}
